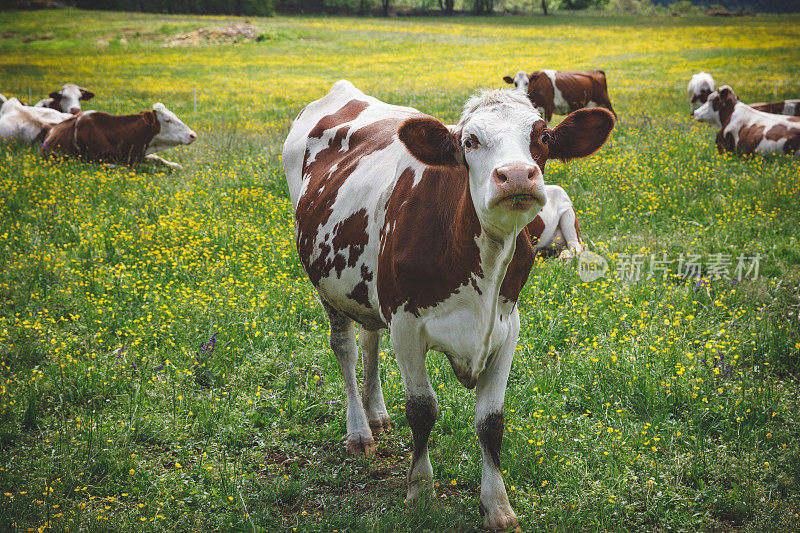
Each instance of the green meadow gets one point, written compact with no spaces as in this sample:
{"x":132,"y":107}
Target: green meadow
{"x":164,"y":363}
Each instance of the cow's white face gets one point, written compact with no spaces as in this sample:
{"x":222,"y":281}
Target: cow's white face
{"x":709,"y":111}
{"x":173,"y":131}
{"x":520,"y":81}
{"x":504,"y":143}
{"x":68,"y":99}
{"x":506,"y":184}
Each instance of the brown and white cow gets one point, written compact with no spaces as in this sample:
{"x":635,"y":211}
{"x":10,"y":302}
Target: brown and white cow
{"x":25,"y":123}
{"x":784,"y":107}
{"x":404,"y":223}
{"x":97,"y":136}
{"x":563,"y":91}
{"x":556,"y":230}
{"x":698,"y":88}
{"x":67,"y":99}
{"x":745,"y":130}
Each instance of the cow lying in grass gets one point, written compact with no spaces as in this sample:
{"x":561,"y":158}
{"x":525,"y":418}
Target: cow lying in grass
{"x":67,"y":99}
{"x":25,"y":123}
{"x":745,"y":130}
{"x":556,"y":230}
{"x":784,"y":107}
{"x":129,"y":139}
{"x":404,"y":223}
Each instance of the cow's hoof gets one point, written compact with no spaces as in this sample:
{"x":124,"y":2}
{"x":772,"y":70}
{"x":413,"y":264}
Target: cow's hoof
{"x":360,"y":445}
{"x":380,"y":424}
{"x":500,"y":520}
{"x":414,"y":492}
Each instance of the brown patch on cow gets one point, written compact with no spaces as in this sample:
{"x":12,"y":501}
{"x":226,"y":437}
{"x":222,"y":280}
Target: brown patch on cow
{"x":360,"y":293}
{"x":724,"y":104}
{"x":520,"y":266}
{"x":315,"y":207}
{"x":540,"y":150}
{"x":781,"y":131}
{"x":541,"y":93}
{"x":771,"y":107}
{"x":421,"y":412}
{"x":427,"y":248}
{"x":490,"y":434}
{"x":749,"y":138}
{"x":99,"y":136}
{"x":348,"y":113}
{"x":701,"y":96}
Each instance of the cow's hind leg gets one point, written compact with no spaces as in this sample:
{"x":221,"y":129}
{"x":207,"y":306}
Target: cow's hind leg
{"x":489,"y":419}
{"x":372,"y":393}
{"x":343,"y":344}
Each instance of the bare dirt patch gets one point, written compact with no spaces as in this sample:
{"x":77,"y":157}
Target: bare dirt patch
{"x":235,"y":33}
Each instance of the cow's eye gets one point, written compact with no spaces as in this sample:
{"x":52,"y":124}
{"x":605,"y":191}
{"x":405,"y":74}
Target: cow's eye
{"x":544,"y":138}
{"x":468,"y":144}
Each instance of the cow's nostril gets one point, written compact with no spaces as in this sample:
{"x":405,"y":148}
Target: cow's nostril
{"x":74,"y":110}
{"x":500,"y":177}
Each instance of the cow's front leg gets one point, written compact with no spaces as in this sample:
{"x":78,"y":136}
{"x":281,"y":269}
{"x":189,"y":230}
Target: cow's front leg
{"x":343,"y":344}
{"x":421,"y":407}
{"x":372,"y":393}
{"x":489,"y":419}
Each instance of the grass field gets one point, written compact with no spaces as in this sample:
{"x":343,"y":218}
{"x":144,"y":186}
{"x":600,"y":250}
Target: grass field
{"x":164,"y":360}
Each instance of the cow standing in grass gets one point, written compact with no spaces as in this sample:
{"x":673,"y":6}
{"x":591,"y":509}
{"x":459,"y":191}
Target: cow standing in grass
{"x":404,"y":223}
{"x":563,"y":91}
{"x":745,"y":130}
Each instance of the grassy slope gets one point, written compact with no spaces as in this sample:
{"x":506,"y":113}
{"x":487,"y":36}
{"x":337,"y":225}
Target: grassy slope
{"x":657,"y":405}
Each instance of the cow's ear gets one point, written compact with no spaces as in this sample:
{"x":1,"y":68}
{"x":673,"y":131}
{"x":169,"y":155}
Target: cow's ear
{"x":55,"y":95}
{"x":581,"y":134}
{"x":508,"y":79}
{"x":431,"y":142}
{"x":725,"y":91}
{"x":86,"y":95}
{"x":149,"y":117}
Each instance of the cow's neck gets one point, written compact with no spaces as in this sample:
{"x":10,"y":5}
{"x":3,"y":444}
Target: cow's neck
{"x":726,"y":112}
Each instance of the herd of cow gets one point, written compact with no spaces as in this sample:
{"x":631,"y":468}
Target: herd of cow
{"x":765,"y":128}
{"x":425,"y":229}
{"x":58,"y":123}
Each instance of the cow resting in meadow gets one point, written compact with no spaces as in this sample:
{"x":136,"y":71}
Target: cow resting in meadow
{"x":745,"y":130}
{"x":67,"y":99}
{"x":404,"y":223}
{"x":563,"y":91}
{"x":784,"y":107}
{"x":698,"y":88}
{"x":556,"y":230}
{"x":25,"y":123}
{"x":129,"y":139}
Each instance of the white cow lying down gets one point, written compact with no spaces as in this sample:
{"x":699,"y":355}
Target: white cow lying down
{"x":27,"y":123}
{"x":556,"y":226}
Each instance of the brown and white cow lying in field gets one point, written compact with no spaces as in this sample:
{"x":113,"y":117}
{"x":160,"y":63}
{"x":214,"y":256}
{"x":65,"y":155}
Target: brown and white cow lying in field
{"x":699,"y":87}
{"x":784,"y":107}
{"x":563,"y":91}
{"x":25,"y":123}
{"x":67,"y":99}
{"x":556,"y":230}
{"x":404,"y":223}
{"x":745,"y":130}
{"x":97,"y":136}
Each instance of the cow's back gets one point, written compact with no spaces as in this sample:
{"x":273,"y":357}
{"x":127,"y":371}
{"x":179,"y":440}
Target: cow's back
{"x":341,"y":159}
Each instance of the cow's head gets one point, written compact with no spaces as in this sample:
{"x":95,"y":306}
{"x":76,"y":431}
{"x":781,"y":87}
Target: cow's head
{"x":504,"y":144}
{"x":718,"y":107}
{"x":68,"y":99}
{"x":520,"y":81}
{"x":699,"y":87}
{"x":172,"y":130}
